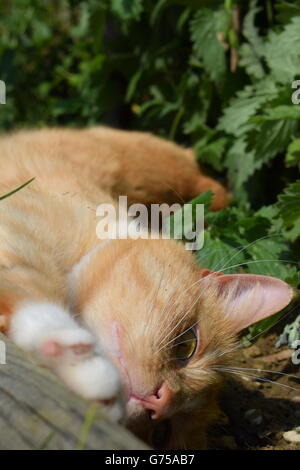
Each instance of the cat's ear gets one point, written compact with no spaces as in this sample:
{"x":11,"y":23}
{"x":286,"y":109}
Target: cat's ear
{"x":249,"y":298}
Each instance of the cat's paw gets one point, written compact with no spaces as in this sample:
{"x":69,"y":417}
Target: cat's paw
{"x":95,"y":379}
{"x":68,"y":345}
{"x":70,"y":352}
{"x":58,"y":342}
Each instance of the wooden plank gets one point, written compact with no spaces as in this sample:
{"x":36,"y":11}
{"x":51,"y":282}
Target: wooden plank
{"x":37,"y":411}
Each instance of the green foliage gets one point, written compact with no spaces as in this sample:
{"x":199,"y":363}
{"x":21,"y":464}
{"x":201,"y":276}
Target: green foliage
{"x":127,"y":9}
{"x":205,"y":28}
{"x":292,"y":157}
{"x":289,"y":204}
{"x":251,"y":51}
{"x":282,"y":52}
{"x":187,"y":70}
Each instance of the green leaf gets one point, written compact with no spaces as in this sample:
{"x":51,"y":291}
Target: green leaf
{"x":289,"y":207}
{"x":197,"y":3}
{"x":251,"y":52}
{"x":212,"y":152}
{"x":292,"y":157}
{"x":195,"y":123}
{"x":250,"y":61}
{"x":260,"y":328}
{"x":132,"y":85}
{"x":235,"y":119}
{"x":127,"y":10}
{"x":240,"y":162}
{"x":205,"y":28}
{"x":271,"y":138}
{"x":203,"y":198}
{"x":81,"y":28}
{"x":266,"y":255}
{"x":157,"y":10}
{"x":282,"y":52}
{"x":250,"y":31}
{"x":279,"y":112}
{"x":285,"y":11}
{"x":269,"y":212}
{"x":218,"y":255}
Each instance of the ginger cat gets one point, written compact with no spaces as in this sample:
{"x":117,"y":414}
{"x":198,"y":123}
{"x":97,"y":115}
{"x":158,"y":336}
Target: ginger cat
{"x":134,"y":324}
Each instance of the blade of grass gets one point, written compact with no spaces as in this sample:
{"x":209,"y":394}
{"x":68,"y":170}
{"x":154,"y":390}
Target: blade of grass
{"x":16,"y":190}
{"x":46,"y":441}
{"x":88,"y":421}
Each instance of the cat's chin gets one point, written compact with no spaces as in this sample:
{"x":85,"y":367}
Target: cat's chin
{"x":176,"y":433}
{"x":156,"y":434}
{"x":134,"y":408}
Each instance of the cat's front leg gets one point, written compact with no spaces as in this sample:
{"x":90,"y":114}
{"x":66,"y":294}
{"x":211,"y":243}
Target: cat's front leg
{"x":52,"y":335}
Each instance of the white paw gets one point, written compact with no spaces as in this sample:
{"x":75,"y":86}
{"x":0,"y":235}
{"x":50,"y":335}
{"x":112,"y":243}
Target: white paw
{"x":96,"y":379}
{"x":70,"y":353}
{"x":51,"y":333}
{"x":66,"y":345}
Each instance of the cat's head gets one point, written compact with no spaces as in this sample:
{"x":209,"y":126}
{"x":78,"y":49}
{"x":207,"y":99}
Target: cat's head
{"x":169,"y":325}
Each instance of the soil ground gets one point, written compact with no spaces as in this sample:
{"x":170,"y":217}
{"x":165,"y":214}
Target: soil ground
{"x":257,"y":413}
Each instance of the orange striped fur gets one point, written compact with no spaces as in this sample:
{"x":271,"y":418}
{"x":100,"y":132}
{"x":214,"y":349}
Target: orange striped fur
{"x":88,"y":309}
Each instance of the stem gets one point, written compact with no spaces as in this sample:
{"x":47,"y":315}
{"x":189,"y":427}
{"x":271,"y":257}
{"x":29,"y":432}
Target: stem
{"x":16,"y":190}
{"x":89,"y":419}
{"x":269,"y":11}
{"x":176,"y":122}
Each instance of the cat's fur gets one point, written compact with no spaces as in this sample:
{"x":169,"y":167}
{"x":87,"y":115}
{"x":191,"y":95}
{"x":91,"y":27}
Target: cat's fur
{"x":101,"y":313}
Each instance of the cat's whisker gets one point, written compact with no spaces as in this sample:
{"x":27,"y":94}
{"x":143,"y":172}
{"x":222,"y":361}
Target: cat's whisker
{"x":172,"y":189}
{"x":180,"y":294}
{"x":183,"y":444}
{"x":164,"y":327}
{"x":130,"y":339}
{"x":181,"y":342}
{"x":240,"y":344}
{"x":258,"y":261}
{"x":263,"y":371}
{"x":263,"y":379}
{"x":279,"y":320}
{"x":178,"y":336}
{"x":192,"y":285}
{"x":245,"y":247}
{"x":184,"y":316}
{"x":155,"y":296}
{"x":227,"y":351}
{"x":212,"y":274}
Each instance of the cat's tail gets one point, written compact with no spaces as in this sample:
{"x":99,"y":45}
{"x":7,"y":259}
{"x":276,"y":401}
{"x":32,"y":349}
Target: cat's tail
{"x":221,"y":196}
{"x":200,"y":182}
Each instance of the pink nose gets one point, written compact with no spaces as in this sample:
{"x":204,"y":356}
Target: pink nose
{"x":159,"y":403}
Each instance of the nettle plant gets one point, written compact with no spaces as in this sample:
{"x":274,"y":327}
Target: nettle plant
{"x":224,"y":81}
{"x":215,"y":75}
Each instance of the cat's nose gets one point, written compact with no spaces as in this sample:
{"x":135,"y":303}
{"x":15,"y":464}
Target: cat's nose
{"x":159,"y":403}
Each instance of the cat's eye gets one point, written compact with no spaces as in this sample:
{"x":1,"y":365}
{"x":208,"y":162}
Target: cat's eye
{"x":187,"y":346}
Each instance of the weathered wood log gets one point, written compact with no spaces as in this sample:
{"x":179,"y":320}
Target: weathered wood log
{"x":38,"y":412}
